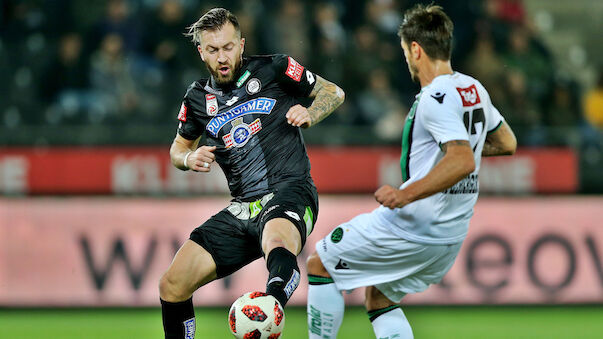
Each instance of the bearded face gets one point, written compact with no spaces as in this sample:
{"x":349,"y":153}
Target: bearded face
{"x":221,"y":50}
{"x":224,"y":73}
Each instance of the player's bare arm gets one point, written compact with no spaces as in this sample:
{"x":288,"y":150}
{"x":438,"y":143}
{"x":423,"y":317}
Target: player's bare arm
{"x":456,"y":164}
{"x":327,"y":97}
{"x":500,"y":142}
{"x":197,"y":159}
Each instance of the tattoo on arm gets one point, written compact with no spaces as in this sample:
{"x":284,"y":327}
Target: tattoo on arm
{"x":327,"y":97}
{"x":492,"y":150}
{"x":444,"y":147}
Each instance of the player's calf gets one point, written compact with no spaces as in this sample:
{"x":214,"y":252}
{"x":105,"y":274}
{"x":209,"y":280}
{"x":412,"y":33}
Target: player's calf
{"x":325,"y":303}
{"x":284,"y":274}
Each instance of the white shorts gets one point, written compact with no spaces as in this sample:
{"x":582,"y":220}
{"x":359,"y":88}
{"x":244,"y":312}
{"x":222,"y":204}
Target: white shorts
{"x":362,"y":252}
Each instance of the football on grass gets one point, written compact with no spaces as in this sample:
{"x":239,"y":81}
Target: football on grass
{"x":256,"y":315}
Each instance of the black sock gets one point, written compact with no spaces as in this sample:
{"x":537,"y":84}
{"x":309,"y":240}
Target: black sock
{"x":178,"y":319}
{"x":284,"y":274}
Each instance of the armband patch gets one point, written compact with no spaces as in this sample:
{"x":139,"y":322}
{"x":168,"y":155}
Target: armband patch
{"x":182,"y":113}
{"x":294,"y":70}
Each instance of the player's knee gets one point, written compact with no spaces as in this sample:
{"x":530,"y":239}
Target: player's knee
{"x":281,"y":232}
{"x":171,"y":289}
{"x":375,"y":300}
{"x":315,"y":266}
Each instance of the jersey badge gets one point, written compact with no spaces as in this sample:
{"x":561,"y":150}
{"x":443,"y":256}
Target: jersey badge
{"x":469,"y":95}
{"x":253,"y":86}
{"x":439,"y":97}
{"x":211,"y":104}
{"x":182,"y":113}
{"x":254,"y":106}
{"x":240,"y":133}
{"x":294,"y":70}
{"x":243,"y":78}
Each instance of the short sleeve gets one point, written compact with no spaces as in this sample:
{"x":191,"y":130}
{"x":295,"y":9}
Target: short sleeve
{"x":188,"y":127}
{"x":294,"y":78}
{"x":442,"y":116}
{"x":495,"y":121}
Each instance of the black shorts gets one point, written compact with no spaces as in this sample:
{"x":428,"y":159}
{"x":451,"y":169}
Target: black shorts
{"x":233,"y":235}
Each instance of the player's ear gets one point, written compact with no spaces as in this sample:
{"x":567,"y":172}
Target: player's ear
{"x":415,"y":50}
{"x":242,"y":45}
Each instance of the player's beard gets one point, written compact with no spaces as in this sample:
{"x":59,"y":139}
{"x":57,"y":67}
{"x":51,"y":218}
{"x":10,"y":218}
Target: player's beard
{"x":414,"y":72}
{"x":222,"y":80}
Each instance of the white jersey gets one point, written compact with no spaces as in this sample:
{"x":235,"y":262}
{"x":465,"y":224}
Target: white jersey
{"x":453,"y":107}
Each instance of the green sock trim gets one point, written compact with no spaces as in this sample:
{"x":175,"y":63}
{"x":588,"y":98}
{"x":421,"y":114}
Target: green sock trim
{"x":318,"y":280}
{"x":374,"y":314}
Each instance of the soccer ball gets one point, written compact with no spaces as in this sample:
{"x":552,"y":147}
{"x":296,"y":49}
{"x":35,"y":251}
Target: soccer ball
{"x":256,"y":315}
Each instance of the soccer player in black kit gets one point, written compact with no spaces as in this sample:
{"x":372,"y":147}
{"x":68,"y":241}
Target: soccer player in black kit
{"x":248,"y":118}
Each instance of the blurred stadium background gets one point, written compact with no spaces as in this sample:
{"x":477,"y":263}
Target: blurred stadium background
{"x":91,"y":211}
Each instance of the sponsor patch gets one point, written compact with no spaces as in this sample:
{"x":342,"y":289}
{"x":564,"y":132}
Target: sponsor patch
{"x":240,"y":133}
{"x":182,"y":113}
{"x":292,"y":284}
{"x":336,"y":235}
{"x":243,"y":78}
{"x":255,"y":106}
{"x":189,"y":329}
{"x":294,"y":70}
{"x":469,"y":95}
{"x":253,"y":86}
{"x":211,"y":104}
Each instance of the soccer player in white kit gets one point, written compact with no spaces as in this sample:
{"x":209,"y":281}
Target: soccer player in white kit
{"x":412,"y":240}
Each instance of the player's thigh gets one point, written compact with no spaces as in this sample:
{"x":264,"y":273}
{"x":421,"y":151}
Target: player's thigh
{"x":231,"y":242}
{"x":191,"y":268}
{"x":289,"y":216}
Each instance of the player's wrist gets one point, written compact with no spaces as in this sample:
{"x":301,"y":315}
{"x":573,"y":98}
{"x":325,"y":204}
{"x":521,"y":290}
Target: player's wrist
{"x":185,"y":162}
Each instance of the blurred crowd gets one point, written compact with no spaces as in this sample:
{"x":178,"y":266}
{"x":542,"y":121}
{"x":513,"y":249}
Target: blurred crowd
{"x":127,"y":62}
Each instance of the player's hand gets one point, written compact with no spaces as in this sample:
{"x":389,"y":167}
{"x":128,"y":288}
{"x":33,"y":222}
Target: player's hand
{"x":390,"y":197}
{"x":298,"y":116}
{"x":201,"y":159}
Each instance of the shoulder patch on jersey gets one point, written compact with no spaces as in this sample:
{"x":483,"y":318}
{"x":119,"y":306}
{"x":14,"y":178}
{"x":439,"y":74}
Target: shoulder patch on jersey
{"x":294,"y":70}
{"x":182,"y":113}
{"x":439,"y":96}
{"x":469,"y":95}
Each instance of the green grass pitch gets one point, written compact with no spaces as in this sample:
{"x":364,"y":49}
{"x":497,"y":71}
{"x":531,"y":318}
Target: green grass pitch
{"x":427,"y":321}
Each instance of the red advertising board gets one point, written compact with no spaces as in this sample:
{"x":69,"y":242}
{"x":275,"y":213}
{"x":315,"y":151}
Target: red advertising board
{"x":90,"y":251}
{"x":148,"y":170}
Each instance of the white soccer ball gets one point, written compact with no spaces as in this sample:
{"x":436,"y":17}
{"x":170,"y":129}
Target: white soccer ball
{"x":256,"y":315}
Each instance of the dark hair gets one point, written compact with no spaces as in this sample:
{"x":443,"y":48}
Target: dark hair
{"x":431,"y":28}
{"x":213,"y":20}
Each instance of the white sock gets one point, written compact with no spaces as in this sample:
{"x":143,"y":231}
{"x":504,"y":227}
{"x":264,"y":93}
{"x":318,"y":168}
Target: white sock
{"x":325,"y":309}
{"x":390,"y":323}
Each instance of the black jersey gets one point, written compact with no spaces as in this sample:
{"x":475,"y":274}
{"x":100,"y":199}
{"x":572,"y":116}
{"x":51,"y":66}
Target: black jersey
{"x":255,"y":146}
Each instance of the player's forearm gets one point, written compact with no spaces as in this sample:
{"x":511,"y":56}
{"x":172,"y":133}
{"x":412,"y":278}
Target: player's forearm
{"x":450,"y":170}
{"x":178,"y":151}
{"x":491,"y":150}
{"x":500,"y":142}
{"x":327,"y":97}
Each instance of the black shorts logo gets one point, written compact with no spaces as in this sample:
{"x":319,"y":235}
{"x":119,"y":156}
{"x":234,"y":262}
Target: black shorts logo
{"x":336,"y":235}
